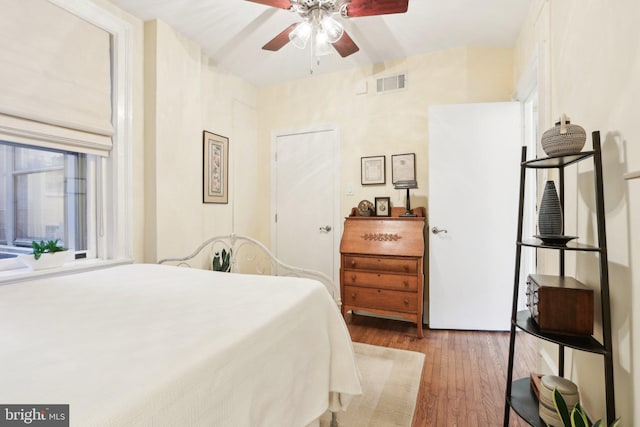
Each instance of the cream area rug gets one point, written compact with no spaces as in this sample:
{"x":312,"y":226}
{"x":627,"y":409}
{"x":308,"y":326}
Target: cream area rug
{"x":390,"y":380}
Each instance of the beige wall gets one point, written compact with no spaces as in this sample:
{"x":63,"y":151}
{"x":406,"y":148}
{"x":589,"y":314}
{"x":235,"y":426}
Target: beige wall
{"x":593,"y":75}
{"x":384,"y":124}
{"x":184,"y":95}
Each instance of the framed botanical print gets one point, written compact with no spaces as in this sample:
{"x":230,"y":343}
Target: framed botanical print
{"x":215,"y":168}
{"x":403,"y":167}
{"x":383,"y":206}
{"x":372,"y":170}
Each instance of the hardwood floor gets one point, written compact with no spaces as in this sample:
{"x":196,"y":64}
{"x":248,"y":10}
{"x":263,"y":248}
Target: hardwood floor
{"x":464,"y":374}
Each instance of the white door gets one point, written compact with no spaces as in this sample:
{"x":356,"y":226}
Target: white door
{"x":305,"y":207}
{"x":474,"y":171}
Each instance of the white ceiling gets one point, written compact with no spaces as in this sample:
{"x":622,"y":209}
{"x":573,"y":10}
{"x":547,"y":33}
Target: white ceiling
{"x":232,"y":32}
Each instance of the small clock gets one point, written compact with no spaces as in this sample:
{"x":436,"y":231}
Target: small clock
{"x":364,"y":208}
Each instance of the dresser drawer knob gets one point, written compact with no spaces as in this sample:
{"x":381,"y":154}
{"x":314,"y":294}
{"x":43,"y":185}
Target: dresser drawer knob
{"x":353,"y":296}
{"x":405,"y":283}
{"x":353,"y":278}
{"x":406,"y":301}
{"x":406,"y":268}
{"x":353,"y":263}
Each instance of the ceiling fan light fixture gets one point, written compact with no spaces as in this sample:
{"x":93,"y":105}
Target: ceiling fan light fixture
{"x":318,"y":17}
{"x":300,"y":35}
{"x":332,"y":28}
{"x":322,"y":46}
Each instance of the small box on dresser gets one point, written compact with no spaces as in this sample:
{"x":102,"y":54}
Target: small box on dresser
{"x":560,"y":304}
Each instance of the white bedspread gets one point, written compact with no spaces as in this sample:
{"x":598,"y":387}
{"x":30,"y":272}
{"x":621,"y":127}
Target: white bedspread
{"x":152,"y":345}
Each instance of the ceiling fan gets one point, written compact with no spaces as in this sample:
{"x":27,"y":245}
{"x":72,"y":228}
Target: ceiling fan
{"x":319,"y":27}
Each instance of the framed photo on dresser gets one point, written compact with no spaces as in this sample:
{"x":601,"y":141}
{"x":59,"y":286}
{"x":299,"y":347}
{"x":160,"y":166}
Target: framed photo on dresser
{"x":383,"y":206}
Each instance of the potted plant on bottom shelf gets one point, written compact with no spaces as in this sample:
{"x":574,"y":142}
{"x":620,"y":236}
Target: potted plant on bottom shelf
{"x":47,"y":254}
{"x":577,"y":416}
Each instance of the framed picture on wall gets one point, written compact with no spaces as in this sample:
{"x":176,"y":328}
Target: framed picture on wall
{"x":215,"y":168}
{"x":403,"y":167}
{"x":372,"y":170}
{"x":383,"y":206}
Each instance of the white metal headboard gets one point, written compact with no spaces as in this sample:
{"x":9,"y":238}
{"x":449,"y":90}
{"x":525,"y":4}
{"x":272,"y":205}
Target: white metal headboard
{"x":249,"y":256}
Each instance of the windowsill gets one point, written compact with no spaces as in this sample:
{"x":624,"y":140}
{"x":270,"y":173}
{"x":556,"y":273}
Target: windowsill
{"x":24,"y":274}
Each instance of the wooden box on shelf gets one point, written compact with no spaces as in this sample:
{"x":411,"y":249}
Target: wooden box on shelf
{"x":560,"y":304}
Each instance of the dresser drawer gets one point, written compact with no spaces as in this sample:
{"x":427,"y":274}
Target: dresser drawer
{"x":380,"y":298}
{"x":395,"y":265}
{"x":381,"y":280}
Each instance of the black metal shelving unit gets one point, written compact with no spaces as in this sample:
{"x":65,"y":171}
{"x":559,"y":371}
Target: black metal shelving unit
{"x":518,"y":395}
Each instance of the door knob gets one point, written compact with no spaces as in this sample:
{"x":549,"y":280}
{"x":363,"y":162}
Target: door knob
{"x":326,"y":228}
{"x":436,"y":230}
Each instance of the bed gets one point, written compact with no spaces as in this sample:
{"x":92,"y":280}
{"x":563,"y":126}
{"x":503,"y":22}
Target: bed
{"x":160,"y":345}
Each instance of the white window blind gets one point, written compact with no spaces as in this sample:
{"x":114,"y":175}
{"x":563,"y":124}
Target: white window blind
{"x":55,"y":78}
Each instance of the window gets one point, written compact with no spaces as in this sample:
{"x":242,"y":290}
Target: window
{"x":48,"y":187}
{"x":43,"y":196}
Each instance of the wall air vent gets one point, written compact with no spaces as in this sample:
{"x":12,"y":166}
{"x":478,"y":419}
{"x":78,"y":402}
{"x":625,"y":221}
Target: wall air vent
{"x":391,"y":83}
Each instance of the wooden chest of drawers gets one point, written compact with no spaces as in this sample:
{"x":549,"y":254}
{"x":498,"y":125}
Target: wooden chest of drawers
{"x":560,"y":304}
{"x":382,"y":266}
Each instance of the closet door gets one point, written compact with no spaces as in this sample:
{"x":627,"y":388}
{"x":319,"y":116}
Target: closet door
{"x":305,"y":194}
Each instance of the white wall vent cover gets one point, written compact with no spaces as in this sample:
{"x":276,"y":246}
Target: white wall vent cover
{"x":391,"y":83}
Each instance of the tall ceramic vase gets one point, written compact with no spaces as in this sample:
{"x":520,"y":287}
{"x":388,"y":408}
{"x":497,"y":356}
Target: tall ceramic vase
{"x":550,"y":214}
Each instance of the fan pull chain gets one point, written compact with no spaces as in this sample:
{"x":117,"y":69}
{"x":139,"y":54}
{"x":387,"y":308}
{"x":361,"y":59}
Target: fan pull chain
{"x":312,"y":52}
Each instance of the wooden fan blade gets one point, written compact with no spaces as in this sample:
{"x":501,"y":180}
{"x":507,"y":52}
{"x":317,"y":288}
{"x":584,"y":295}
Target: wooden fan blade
{"x":376,"y":7}
{"x":345,"y":46}
{"x":281,"y":39}
{"x":281,"y":4}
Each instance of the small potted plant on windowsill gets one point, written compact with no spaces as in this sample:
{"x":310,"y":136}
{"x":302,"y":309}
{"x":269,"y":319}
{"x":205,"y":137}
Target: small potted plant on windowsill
{"x":47,"y":254}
